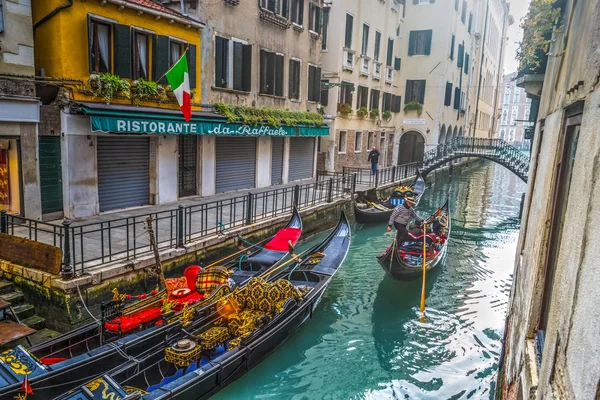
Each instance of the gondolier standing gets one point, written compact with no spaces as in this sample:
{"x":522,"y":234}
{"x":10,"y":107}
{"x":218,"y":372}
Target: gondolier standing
{"x":374,"y":158}
{"x":400,"y":218}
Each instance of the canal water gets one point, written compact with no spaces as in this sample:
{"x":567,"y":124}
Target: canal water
{"x":365,"y":340}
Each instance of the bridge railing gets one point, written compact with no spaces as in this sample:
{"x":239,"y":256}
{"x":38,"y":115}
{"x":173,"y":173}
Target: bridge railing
{"x":365,"y":176}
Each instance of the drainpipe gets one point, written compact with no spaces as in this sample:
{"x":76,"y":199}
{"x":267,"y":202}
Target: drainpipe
{"x":487,"y":4}
{"x":52,"y":14}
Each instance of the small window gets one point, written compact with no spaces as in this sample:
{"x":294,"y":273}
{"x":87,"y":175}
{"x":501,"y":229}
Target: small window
{"x":314,"y":18}
{"x":346,"y":93}
{"x":342,"y":142}
{"x":374,"y":99}
{"x":415,"y":91}
{"x":358,"y":142}
{"x":279,"y":7}
{"x":298,"y":12}
{"x":365,"y":40}
{"x":100,"y":45}
{"x":175,"y":50}
{"x":377,"y":45}
{"x":314,"y":83}
{"x":1,"y":18}
{"x":419,"y":43}
{"x":325,"y":29}
{"x":294,"y":89}
{"x":271,"y":73}
{"x":448,"y":97}
{"x":141,"y":56}
{"x":363,"y":97}
{"x":370,"y":138}
{"x":349,"y":27}
{"x":463,"y":15}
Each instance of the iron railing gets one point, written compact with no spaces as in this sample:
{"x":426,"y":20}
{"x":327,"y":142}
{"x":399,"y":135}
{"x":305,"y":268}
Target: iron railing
{"x":92,"y":244}
{"x":365,"y":176}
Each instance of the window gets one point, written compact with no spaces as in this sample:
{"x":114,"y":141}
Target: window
{"x":100,"y":45}
{"x":233,"y":64}
{"x":505,"y":116}
{"x":348,"y":38}
{"x":346,"y":93}
{"x":415,"y":91}
{"x":324,"y":92}
{"x":452,"y":47}
{"x":387,"y":102}
{"x":528,"y":101}
{"x":463,"y":15}
{"x":397,"y":63}
{"x":470,"y":26}
{"x":294,"y":89}
{"x":358,"y":142}
{"x":456,"y":5}
{"x":298,"y":12}
{"x":507,"y":95}
{"x":279,"y":7}
{"x":140,"y":56}
{"x":175,"y":51}
{"x":456,"y":98}
{"x":511,"y":135}
{"x":390,"y":52}
{"x":398,"y":30}
{"x":1,"y":18}
{"x":513,"y":115}
{"x":517,"y":95}
{"x":325,"y":28}
{"x":370,"y":138}
{"x":271,"y":73}
{"x":448,"y":97}
{"x":374,"y":99}
{"x":365,"y":40}
{"x":466,"y":64}
{"x":396,"y":103}
{"x":460,"y":55}
{"x":314,"y":18}
{"x":502,"y":133}
{"x":342,"y":142}
{"x":419,"y":43}
{"x":527,"y":113}
{"x":314,"y":83}
{"x":377,"y":45}
{"x":363,"y":97}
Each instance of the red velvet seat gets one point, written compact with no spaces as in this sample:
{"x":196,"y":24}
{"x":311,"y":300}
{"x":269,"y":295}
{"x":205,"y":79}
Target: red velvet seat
{"x":129,"y":322}
{"x":280,"y":240}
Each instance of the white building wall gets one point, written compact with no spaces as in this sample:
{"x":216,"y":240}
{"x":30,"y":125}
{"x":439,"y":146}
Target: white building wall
{"x":209,"y":165}
{"x":263,"y":161}
{"x":167,"y":166}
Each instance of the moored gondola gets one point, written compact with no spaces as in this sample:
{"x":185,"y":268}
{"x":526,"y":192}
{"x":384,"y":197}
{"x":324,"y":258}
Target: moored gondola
{"x":249,"y":325}
{"x":403,"y":261}
{"x":368,"y":209}
{"x":71,"y":359}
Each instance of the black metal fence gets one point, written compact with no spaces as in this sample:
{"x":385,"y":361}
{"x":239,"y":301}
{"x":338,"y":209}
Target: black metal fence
{"x":365,"y":176}
{"x":93,"y":244}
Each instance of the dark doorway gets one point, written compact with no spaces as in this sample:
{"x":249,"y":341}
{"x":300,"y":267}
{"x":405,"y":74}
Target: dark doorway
{"x":188,"y":152}
{"x":412,"y":148}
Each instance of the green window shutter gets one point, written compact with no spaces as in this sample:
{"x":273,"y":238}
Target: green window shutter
{"x":246,"y":67}
{"x":237,"y":65}
{"x":220,"y":62}
{"x":90,"y":41}
{"x":278,"y":75}
{"x":408,"y":92}
{"x":460,"y":56}
{"x":317,"y":84}
{"x":422,"y":92}
{"x":397,"y":104}
{"x":448,"y":97}
{"x":122,"y":51}
{"x":397,"y":63}
{"x":390,"y":52}
{"x":191,"y":58}
{"x":456,"y":98}
{"x":161,"y":58}
{"x":428,"y":36}
{"x":411,"y":43}
{"x":324,"y":94}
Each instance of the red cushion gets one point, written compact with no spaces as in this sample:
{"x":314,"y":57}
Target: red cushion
{"x":191,"y":298}
{"x":191,"y":273}
{"x":51,"y":360}
{"x":281,"y":238}
{"x":129,"y":322}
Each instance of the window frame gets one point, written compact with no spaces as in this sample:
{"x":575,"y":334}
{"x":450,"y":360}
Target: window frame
{"x":95,"y":20}
{"x":377,"y":48}
{"x":410,"y":98}
{"x":358,"y":134}
{"x":346,"y":44}
{"x":346,"y":86}
{"x":420,"y":42}
{"x":362,"y":93}
{"x":299,"y":9}
{"x":345,"y":142}
{"x":364,"y":45}
{"x":317,"y":93}
{"x":299,"y":83}
{"x":274,"y":77}
{"x":135,"y":59}
{"x":370,"y":139}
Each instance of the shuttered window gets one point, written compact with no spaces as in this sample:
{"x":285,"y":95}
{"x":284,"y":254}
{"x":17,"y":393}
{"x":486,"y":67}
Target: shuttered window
{"x":233,"y":64}
{"x":294,"y":73}
{"x":448,"y":97}
{"x":396,"y":103}
{"x":242,"y":66}
{"x":420,"y":43}
{"x":452,"y":47}
{"x":415,"y":91}
{"x":324,"y":93}
{"x":191,"y":59}
{"x":314,"y":18}
{"x":466,"y":66}
{"x":365,"y":40}
{"x":298,"y":12}
{"x":390,"y":52}
{"x":349,"y":27}
{"x":99,"y":40}
{"x":456,"y":98}
{"x":325,"y":28}
{"x":374,"y":105}
{"x":346,"y":93}
{"x":470,"y":26}
{"x":460,"y":55}
{"x":387,"y":102}
{"x":123,"y":51}
{"x":161,"y":58}
{"x":363,"y":97}
{"x":1,"y":18}
{"x":221,"y":61}
{"x":463,"y":15}
{"x":141,"y":56}
{"x":314,"y":83}
{"x":397,"y":63}
{"x":377,"y":45}
{"x":271,"y":73}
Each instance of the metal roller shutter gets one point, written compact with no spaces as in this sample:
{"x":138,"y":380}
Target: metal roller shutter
{"x":302,"y":158}
{"x":236,"y":163}
{"x":123,"y":172}
{"x":276,"y":160}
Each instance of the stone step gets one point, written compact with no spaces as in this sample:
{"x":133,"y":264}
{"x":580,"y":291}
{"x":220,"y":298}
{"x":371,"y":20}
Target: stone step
{"x":41,"y":336}
{"x":14,"y":298}
{"x":36,"y":322}
{"x":24,"y":311}
{"x":6,"y":286}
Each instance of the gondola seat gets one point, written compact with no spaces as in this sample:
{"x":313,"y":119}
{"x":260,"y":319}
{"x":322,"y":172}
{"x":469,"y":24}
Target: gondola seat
{"x":126,"y":323}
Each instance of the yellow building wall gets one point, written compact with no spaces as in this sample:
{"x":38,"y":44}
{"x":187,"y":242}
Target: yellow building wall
{"x":61,"y":43}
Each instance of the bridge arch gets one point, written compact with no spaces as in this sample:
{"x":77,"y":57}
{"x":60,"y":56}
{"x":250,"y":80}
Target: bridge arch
{"x":442,"y":137}
{"x":411,"y":147}
{"x":455,"y":134}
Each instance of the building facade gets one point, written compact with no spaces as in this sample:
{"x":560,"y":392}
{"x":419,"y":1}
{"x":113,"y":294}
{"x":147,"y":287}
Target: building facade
{"x":515,"y":114}
{"x":551,"y":347}
{"x":19,"y":112}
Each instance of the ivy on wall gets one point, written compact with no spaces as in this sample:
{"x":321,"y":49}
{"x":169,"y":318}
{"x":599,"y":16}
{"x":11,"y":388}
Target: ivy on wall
{"x":273,"y":117}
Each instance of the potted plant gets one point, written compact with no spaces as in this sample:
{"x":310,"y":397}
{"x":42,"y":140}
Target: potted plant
{"x":374,"y":113}
{"x":362,"y":112}
{"x":413,"y":106}
{"x":387,"y":115}
{"x":108,"y":86}
{"x":344,"y":108}
{"x":145,"y":90}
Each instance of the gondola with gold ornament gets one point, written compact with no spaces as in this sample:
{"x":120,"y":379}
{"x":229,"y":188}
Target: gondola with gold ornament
{"x":69,"y":360}
{"x":248,"y":326}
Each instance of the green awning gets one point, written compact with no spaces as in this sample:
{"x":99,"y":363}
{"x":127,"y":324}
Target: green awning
{"x":117,"y":121}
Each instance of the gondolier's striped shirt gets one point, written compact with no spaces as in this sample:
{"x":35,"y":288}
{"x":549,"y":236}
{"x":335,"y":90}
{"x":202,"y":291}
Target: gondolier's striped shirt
{"x":402,"y":215}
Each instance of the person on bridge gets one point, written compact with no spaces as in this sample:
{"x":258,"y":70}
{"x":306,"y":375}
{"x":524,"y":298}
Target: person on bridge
{"x":374,"y":158}
{"x":400,"y":218}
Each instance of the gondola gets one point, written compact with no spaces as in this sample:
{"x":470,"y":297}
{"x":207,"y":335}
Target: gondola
{"x":403,"y":261}
{"x":249,"y":325}
{"x":369,"y":209}
{"x":73,"y":358}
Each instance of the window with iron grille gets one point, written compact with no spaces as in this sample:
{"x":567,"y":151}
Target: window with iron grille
{"x":271,"y":73}
{"x":415,"y":91}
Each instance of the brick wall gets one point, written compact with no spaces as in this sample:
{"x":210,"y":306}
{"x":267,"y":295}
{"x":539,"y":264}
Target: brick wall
{"x":353,"y":158}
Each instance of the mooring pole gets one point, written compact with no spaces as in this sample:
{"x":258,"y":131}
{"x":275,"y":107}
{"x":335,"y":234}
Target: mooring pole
{"x":158,"y":268}
{"x":66,"y":270}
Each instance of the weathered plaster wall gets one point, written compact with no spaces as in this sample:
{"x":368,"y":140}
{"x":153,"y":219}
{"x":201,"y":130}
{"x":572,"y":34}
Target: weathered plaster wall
{"x":167,"y":161}
{"x":209,"y":165}
{"x":263,"y":162}
{"x":16,"y":57}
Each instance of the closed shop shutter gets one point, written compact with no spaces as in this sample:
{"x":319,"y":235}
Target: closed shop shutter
{"x":302,"y":157}
{"x":236,"y":163}
{"x":276,"y":160}
{"x":50,"y":174}
{"x":123,"y":172}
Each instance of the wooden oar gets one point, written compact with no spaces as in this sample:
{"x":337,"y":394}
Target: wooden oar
{"x":216,"y":263}
{"x":293,"y":258}
{"x":423,"y":319}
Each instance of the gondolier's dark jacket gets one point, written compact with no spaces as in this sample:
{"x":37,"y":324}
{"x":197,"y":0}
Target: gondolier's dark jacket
{"x":402,"y":215}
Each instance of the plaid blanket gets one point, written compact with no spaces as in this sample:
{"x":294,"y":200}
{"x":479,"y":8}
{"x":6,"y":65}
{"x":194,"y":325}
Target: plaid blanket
{"x":209,"y":279}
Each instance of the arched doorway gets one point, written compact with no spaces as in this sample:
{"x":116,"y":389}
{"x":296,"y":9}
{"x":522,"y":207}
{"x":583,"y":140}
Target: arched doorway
{"x":455,"y":134}
{"x":460,"y":132}
{"x":411,"y":148}
{"x":442,"y":138}
{"x":449,"y":134}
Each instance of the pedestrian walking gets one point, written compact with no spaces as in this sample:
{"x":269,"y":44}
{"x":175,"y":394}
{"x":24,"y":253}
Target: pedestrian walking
{"x":374,"y":159}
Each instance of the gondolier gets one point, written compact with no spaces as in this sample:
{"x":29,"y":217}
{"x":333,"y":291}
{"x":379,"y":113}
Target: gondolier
{"x":400,"y":218}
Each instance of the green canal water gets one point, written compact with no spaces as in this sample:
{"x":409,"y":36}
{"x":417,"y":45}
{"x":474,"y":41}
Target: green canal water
{"x":365,"y":340}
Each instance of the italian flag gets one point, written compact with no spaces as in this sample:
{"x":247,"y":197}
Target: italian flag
{"x":179,"y":79}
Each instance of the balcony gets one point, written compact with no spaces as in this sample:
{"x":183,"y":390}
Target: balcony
{"x":377,"y":70}
{"x":348,"y":60}
{"x":389,"y":74}
{"x":365,"y":64}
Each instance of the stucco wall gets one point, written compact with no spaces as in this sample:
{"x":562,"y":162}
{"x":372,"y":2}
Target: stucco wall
{"x":16,"y":57}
